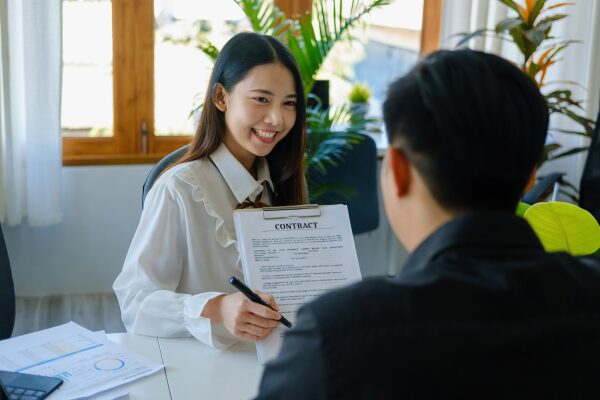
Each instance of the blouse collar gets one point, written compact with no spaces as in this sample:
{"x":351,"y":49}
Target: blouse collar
{"x":240,"y":181}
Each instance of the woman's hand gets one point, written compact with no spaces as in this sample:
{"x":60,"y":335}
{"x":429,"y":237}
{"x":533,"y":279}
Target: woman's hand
{"x":242,"y":317}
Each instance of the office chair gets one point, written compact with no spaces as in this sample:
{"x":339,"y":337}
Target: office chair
{"x":542,"y":188}
{"x":589,"y":187}
{"x":7,"y":292}
{"x":359,"y":171}
{"x":159,"y":168}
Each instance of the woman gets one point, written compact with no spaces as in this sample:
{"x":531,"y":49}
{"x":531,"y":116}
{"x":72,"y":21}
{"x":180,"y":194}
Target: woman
{"x":247,"y":150}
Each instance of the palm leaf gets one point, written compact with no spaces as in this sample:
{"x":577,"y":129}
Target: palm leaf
{"x":568,"y":132}
{"x":510,"y":4}
{"x":507,"y":24}
{"x":569,"y":152}
{"x":466,"y":37}
{"x":333,"y":192}
{"x":263,"y":15}
{"x":535,"y":11}
{"x":331,"y":27}
{"x":331,"y":134}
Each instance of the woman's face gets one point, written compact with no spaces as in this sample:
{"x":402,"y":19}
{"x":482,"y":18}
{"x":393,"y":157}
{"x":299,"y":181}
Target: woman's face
{"x":259,"y":111}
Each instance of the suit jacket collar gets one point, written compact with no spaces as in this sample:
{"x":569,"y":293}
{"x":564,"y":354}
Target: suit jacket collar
{"x":476,"y":230}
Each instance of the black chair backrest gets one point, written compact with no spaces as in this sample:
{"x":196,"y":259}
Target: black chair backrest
{"x":589,"y":187}
{"x":7,"y":292}
{"x":359,"y":171}
{"x":159,"y":168}
{"x":543,"y":187}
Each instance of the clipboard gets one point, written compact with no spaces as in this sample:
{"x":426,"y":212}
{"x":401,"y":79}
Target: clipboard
{"x":301,"y":211}
{"x":295,"y":253}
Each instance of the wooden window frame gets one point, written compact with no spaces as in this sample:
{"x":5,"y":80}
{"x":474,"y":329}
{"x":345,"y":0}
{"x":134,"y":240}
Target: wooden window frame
{"x":133,"y":140}
{"x":133,"y":96}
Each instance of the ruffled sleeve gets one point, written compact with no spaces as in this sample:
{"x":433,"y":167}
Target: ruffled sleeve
{"x":146,"y":288}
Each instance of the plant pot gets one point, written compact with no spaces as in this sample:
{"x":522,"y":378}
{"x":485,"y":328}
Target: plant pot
{"x":358,"y":111}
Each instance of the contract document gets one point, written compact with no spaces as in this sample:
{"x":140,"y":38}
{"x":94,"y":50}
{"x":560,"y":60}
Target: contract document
{"x":90,"y":365}
{"x":295,"y":254}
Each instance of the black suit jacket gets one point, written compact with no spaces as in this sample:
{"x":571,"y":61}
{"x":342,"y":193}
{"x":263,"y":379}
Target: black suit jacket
{"x":479,"y":310}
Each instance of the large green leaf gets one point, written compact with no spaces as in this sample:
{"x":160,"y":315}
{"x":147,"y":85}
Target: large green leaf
{"x":564,"y":227}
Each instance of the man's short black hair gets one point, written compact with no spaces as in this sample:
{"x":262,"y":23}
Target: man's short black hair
{"x":472,"y":124}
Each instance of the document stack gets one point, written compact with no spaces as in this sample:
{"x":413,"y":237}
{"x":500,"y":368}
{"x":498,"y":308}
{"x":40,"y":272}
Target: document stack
{"x":91,"y":366}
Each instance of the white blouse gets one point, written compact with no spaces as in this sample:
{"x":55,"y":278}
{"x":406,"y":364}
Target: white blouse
{"x":184,"y":249}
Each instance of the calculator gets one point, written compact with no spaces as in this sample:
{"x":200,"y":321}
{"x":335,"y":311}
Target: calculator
{"x":19,"y":386}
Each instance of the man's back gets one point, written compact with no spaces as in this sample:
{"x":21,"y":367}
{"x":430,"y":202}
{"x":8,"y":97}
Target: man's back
{"x":479,"y":310}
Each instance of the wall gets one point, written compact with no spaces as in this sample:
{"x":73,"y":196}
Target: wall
{"x":85,"y":253}
{"x":102,"y":207}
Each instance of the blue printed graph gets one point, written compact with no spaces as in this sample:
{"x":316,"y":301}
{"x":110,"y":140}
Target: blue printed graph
{"x":109,"y":364}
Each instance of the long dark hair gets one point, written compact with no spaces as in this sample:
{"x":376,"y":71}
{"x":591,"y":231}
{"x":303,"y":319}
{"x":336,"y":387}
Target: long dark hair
{"x":240,"y":54}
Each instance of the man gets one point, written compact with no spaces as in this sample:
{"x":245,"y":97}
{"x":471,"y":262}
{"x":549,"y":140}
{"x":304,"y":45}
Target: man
{"x":479,"y":309}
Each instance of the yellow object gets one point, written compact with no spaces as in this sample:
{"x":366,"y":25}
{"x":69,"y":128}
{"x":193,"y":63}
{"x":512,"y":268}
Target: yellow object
{"x":564,"y":227}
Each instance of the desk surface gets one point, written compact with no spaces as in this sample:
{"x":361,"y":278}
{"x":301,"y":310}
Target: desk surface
{"x":193,"y":370}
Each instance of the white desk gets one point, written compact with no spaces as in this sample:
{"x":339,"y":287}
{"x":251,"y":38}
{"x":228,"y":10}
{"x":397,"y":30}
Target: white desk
{"x":193,"y":370}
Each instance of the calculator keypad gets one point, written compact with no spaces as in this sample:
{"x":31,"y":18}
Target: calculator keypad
{"x":17,"y":393}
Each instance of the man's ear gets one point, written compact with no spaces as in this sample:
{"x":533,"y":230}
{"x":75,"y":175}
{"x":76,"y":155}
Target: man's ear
{"x":400,"y":168}
{"x":219,"y":97}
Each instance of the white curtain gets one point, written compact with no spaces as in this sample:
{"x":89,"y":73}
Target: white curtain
{"x":580,"y":62}
{"x":30,"y":139}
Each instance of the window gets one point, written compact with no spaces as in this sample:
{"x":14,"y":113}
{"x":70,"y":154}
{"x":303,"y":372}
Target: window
{"x":129,"y":88}
{"x":87,"y":69}
{"x":181,"y":69}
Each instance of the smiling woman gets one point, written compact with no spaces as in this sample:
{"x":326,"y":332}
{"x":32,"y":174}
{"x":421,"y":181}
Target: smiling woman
{"x":248,"y":147}
{"x":259,"y":111}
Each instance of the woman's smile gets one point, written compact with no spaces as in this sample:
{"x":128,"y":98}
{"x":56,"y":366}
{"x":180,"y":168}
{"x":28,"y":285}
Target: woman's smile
{"x":264,"y":135}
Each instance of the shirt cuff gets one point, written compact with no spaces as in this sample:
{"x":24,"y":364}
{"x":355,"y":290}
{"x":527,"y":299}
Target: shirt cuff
{"x":213,"y":335}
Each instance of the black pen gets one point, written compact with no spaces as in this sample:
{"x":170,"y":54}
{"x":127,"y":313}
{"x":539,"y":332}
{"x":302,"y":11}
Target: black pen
{"x":255,"y":298}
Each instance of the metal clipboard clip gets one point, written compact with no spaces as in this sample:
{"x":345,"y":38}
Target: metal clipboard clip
{"x":302,"y":211}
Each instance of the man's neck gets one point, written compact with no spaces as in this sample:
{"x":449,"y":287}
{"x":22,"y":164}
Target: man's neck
{"x":423,"y":222}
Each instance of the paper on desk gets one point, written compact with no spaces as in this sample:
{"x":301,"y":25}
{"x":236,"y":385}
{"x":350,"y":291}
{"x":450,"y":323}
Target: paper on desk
{"x":295,"y":260}
{"x":87,"y":362}
{"x":118,"y":393}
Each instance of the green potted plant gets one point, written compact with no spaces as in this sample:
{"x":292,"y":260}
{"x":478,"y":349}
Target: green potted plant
{"x":359,"y":101}
{"x":530,"y":30}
